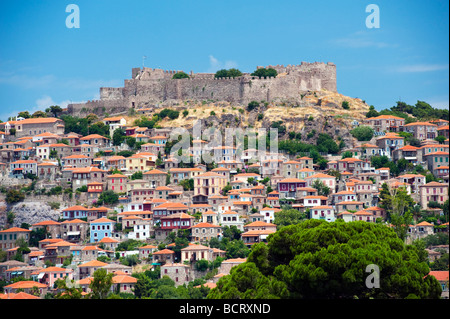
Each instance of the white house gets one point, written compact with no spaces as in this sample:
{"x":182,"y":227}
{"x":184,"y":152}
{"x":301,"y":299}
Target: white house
{"x":323,"y":212}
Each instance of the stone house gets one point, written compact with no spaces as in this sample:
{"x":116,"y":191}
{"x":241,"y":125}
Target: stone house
{"x":57,"y":252}
{"x":179,"y":273}
{"x":155,"y":178}
{"x":22,"y":167}
{"x":385,"y":123}
{"x":163,"y":256}
{"x":74,"y":230}
{"x":116,"y":162}
{"x":204,"y":232}
{"x":95,"y":140}
{"x":86,"y":175}
{"x":231,"y":218}
{"x":435,"y":160}
{"x":9,"y":236}
{"x":421,"y":130}
{"x":47,"y":170}
{"x":34,"y":126}
{"x":146,"y":251}
{"x":322,"y":212}
{"x":117,"y":183}
{"x":433,"y":191}
{"x":88,"y":268}
{"x":52,"y":228}
{"x":348,"y":206}
{"x":76,"y":160}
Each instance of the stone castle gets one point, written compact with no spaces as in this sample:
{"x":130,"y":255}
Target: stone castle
{"x":149,"y":86}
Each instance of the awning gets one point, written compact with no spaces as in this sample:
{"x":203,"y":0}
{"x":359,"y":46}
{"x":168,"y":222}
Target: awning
{"x":41,"y":275}
{"x":73,"y":233}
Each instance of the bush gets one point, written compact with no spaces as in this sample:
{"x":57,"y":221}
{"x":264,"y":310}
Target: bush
{"x":14,"y":196}
{"x":345,"y":105}
{"x":262,"y":72}
{"x":231,"y":73}
{"x":362,"y":133}
{"x":180,"y":75}
{"x":252,"y":105}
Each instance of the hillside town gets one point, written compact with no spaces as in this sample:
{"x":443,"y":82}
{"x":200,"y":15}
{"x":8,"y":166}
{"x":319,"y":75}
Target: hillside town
{"x":122,"y":202}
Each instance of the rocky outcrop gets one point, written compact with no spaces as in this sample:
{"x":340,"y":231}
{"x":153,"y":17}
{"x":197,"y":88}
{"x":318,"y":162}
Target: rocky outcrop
{"x":33,"y":212}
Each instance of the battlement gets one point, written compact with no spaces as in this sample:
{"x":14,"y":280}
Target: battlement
{"x":154,"y":85}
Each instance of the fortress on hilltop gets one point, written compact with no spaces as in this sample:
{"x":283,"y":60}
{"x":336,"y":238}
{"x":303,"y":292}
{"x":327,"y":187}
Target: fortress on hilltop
{"x":149,"y":86}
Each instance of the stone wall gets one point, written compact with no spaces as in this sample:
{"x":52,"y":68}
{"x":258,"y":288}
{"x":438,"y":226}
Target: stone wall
{"x":150,"y":86}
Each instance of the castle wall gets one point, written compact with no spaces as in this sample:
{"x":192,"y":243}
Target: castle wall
{"x":155,"y":85}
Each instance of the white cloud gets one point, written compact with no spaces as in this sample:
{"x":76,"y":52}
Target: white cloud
{"x":360,"y":39}
{"x":215,"y":64}
{"x":44,"y":102}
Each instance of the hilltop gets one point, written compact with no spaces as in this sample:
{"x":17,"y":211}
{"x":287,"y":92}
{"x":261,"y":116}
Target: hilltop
{"x":321,"y":111}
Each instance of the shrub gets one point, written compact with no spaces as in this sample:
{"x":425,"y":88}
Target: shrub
{"x":180,"y":75}
{"x":252,"y":105}
{"x":345,"y":105}
{"x":362,"y":133}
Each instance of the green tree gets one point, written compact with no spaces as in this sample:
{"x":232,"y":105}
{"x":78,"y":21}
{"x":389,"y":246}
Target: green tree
{"x":24,"y":114}
{"x":38,"y":114}
{"x":118,"y":136}
{"x":55,"y":110}
{"x":362,"y":133}
{"x":137,"y":175}
{"x":231,"y":73}
{"x":180,"y":75}
{"x":322,"y":189}
{"x":263,"y":72}
{"x":14,"y":196}
{"x":108,"y":198}
{"x":67,"y":292}
{"x":327,"y":260}
{"x":372,"y":112}
{"x":288,"y":217}
{"x":345,"y":105}
{"x":252,"y":105}
{"x":441,"y":139}
{"x":101,"y":284}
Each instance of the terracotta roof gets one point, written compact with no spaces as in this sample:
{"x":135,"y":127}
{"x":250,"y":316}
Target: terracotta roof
{"x":20,"y":295}
{"x":74,"y":221}
{"x":124,"y":279}
{"x":420,"y":123}
{"x":92,"y":136}
{"x":47,"y":223}
{"x":54,"y":269}
{"x":200,"y":225}
{"x":385,"y":117}
{"x":260,"y":224}
{"x":164,"y":252}
{"x":93,"y":263}
{"x":319,"y":175}
{"x":14,"y":230}
{"x":103,"y":220}
{"x":108,"y":240}
{"x":291,"y":180}
{"x":440,"y":275}
{"x":154,"y":171}
{"x":26,"y":284}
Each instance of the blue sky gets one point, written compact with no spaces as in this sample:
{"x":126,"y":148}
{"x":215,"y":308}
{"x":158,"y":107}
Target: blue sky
{"x":42,"y":62}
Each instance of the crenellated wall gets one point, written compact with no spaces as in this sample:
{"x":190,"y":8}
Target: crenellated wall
{"x":149,"y":85}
